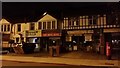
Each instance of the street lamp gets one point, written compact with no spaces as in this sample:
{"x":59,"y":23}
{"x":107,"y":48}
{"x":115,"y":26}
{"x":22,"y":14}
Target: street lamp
{"x":44,"y":13}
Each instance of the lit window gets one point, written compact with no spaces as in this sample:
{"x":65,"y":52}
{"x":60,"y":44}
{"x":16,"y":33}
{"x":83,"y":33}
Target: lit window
{"x":44,"y":25}
{"x":48,"y":25}
{"x":39,"y":25}
{"x":53,"y":24}
{"x":77,"y":22}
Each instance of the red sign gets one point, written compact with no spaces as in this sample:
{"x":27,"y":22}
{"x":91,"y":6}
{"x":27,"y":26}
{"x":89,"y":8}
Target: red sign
{"x":51,"y":34}
{"x":107,"y":49}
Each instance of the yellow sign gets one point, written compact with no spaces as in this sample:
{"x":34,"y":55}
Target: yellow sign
{"x":33,"y":33}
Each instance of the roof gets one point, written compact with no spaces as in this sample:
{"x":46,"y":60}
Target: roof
{"x":47,"y":17}
{"x":4,"y":21}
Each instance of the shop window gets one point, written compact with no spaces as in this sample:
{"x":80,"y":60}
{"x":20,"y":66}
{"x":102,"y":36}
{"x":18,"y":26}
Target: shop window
{"x":32,"y":26}
{"x":39,"y":25}
{"x":44,"y":25}
{"x":48,"y":25}
{"x":19,"y":27}
{"x":53,"y":24}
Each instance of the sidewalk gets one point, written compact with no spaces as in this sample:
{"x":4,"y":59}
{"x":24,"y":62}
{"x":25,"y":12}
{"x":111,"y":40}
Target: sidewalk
{"x":58,"y":60}
{"x":64,"y":59}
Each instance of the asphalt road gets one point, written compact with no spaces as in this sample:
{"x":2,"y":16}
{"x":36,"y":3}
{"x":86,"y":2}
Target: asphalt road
{"x":16,"y":64}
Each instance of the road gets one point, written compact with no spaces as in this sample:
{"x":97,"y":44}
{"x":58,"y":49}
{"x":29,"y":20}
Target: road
{"x":11,"y":64}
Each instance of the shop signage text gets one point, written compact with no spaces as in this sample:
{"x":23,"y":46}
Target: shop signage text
{"x":51,"y":34}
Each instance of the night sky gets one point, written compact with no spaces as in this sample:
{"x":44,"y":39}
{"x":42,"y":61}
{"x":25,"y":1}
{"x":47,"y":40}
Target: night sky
{"x":18,"y":11}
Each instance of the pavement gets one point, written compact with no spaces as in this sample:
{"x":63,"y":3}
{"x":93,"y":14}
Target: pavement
{"x":71,"y":58}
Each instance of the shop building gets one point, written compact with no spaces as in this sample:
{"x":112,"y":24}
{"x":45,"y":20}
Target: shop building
{"x":41,"y":32}
{"x":86,"y":29}
{"x":51,"y":33}
{"x":5,"y":32}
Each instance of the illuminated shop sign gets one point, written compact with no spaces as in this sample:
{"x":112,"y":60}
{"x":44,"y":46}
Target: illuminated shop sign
{"x":51,"y":34}
{"x":34,"y":33}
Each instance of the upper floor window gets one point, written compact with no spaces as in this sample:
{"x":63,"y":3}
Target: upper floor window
{"x":53,"y":24}
{"x":73,"y":21}
{"x":69,"y":22}
{"x":95,"y":20}
{"x":66,"y":22}
{"x":19,"y":27}
{"x":32,"y":26}
{"x":5,"y":28}
{"x":39,"y":25}
{"x":8,"y":28}
{"x":48,"y":25}
{"x":1,"y":27}
{"x":77,"y":22}
{"x":44,"y":25}
{"x":92,"y":20}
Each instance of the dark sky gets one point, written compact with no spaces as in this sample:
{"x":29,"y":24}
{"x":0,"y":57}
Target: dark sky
{"x":33,"y":10}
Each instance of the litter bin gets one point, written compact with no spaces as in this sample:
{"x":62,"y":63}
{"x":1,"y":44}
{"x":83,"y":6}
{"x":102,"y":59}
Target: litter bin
{"x":50,"y":51}
{"x":102,"y":50}
{"x":54,"y":50}
{"x":57,"y":50}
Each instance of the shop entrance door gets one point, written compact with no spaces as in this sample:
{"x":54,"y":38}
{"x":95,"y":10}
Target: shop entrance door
{"x":44,"y":44}
{"x":77,"y":42}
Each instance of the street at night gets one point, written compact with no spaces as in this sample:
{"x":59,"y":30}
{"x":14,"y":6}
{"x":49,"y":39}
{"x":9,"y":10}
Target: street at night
{"x":60,"y":34}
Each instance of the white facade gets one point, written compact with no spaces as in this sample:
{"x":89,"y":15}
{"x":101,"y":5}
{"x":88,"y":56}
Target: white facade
{"x":26,"y":31}
{"x":5,"y":26}
{"x":5,"y":29}
{"x":47,"y":19}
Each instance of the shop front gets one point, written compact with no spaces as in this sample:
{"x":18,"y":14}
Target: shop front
{"x":78,"y":39}
{"x":114,"y":41}
{"x":4,"y":41}
{"x":112,"y":35}
{"x":33,"y":37}
{"x":50,"y":38}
